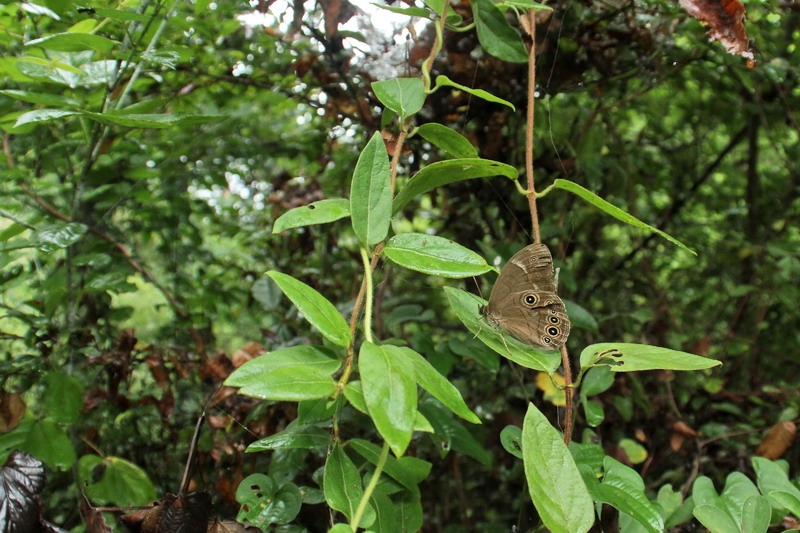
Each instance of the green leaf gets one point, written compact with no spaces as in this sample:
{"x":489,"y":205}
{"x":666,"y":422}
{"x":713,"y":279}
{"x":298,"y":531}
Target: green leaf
{"x":770,"y":477}
{"x":436,"y":5}
{"x":622,"y":488}
{"x":56,"y":236}
{"x":438,"y":386}
{"x":556,"y":488}
{"x":579,"y":317}
{"x":628,"y":357}
{"x":370,"y":193}
{"x":408,"y":471}
{"x":120,"y":14}
{"x":410,"y":11}
{"x":466,"y":307}
{"x":342,"y":485}
{"x":319,"y":212}
{"x":148,"y":120}
{"x":121,"y":483}
{"x":63,"y":397}
{"x":526,"y":4}
{"x":404,"y":96}
{"x":452,"y":142}
{"x":307,"y":355}
{"x":292,"y":384}
{"x":786,"y":500}
{"x":613,"y":210}
{"x":315,"y":308}
{"x":715,"y":519}
{"x":39,"y":98}
{"x":444,"y":81}
{"x":390,"y":392}
{"x":597,"y":380}
{"x":756,"y":514}
{"x":294,"y":436}
{"x":451,"y":434}
{"x":495,"y":33}
{"x":340,"y":528}
{"x":263,"y":503}
{"x":511,"y":439}
{"x":74,"y":42}
{"x":593,"y":412}
{"x":43,"y":115}
{"x":385,"y":514}
{"x":434,"y":255}
{"x":452,"y":170}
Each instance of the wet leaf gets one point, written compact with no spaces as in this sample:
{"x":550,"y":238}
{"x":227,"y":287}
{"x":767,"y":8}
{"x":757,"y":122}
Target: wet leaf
{"x":21,"y":479}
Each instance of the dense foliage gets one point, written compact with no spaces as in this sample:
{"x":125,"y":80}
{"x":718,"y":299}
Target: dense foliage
{"x":149,"y":150}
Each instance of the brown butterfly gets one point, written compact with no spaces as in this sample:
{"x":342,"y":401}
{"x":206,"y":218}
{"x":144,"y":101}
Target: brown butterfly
{"x":524,"y":302}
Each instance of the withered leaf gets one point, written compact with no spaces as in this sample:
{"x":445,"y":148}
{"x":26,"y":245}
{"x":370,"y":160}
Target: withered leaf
{"x":777,"y":440}
{"x":229,"y":526}
{"x":95,"y":523}
{"x":725,"y":19}
{"x":12,"y":409}
{"x":176,"y":514}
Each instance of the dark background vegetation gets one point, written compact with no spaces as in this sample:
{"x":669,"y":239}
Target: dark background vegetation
{"x":142,"y":315}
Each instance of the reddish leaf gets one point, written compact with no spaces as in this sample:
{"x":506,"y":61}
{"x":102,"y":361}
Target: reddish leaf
{"x":777,"y":441}
{"x":725,"y":19}
{"x":95,"y":523}
{"x":21,"y":479}
{"x":175,"y":514}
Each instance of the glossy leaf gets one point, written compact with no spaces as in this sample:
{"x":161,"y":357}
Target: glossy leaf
{"x":511,"y":439}
{"x":555,"y":485}
{"x":452,"y":170}
{"x":74,"y":42}
{"x":613,"y":210}
{"x":466,"y":307}
{"x":355,"y":395}
{"x":57,"y":236}
{"x":263,"y":503}
{"x":756,"y":514}
{"x":21,"y":480}
{"x":294,"y":436}
{"x":342,"y":485}
{"x":319,"y":212}
{"x":292,"y":384}
{"x":390,"y":392}
{"x":306,"y":355}
{"x":452,"y":142}
{"x":628,"y":357}
{"x":370,"y":193}
{"x":315,"y":308}
{"x":434,"y":255}
{"x":715,"y":519}
{"x":788,"y":501}
{"x":404,"y":96}
{"x":408,"y":471}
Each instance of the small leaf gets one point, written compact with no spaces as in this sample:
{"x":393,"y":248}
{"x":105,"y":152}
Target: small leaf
{"x":628,"y":357}
{"x":579,"y":317}
{"x":121,"y":482}
{"x":756,"y":514}
{"x":526,"y":4}
{"x":613,"y":210}
{"x":597,"y":380}
{"x":434,"y":255}
{"x":319,"y":212}
{"x":315,"y":308}
{"x":466,"y":307}
{"x":294,"y":436}
{"x":410,"y":11}
{"x":263,"y":503}
{"x":452,"y":142}
{"x":786,"y":500}
{"x":306,"y":355}
{"x":119,"y":14}
{"x":556,"y":488}
{"x":43,"y":115}
{"x":495,"y":33}
{"x":593,"y":412}
{"x":511,"y":439}
{"x":404,"y":96}
{"x":370,"y":193}
{"x":342,"y":483}
{"x":39,"y":98}
{"x":444,"y":172}
{"x":451,"y":434}
{"x":408,"y":471}
{"x":74,"y":42}
{"x":63,"y":397}
{"x":390,"y":392}
{"x":444,"y":81}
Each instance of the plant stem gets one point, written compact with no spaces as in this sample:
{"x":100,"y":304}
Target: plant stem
{"x":529,"y":132}
{"x":368,"y":292}
{"x":569,"y":393}
{"x":373,"y":482}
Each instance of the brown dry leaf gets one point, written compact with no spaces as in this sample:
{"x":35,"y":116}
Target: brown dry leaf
{"x":640,"y":435}
{"x":229,"y":526}
{"x":676,"y":441}
{"x":216,"y":369}
{"x":156,"y":363}
{"x":683,"y":429}
{"x":95,"y":523}
{"x":725,"y":19}
{"x":12,"y":409}
{"x":336,"y":12}
{"x":777,"y":440}
{"x":247,"y":352}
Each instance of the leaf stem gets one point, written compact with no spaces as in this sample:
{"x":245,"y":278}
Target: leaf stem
{"x":373,"y":482}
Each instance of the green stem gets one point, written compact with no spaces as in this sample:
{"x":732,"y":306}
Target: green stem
{"x":368,"y":302}
{"x":362,"y":505}
{"x":427,"y":65}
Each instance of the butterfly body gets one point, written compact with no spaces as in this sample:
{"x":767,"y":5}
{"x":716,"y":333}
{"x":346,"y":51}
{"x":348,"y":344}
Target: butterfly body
{"x":524,"y":301}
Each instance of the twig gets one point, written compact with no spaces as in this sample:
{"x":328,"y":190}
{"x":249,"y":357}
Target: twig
{"x":529,"y":132}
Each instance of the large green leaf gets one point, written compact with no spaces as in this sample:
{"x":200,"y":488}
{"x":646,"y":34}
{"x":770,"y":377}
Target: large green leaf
{"x":613,"y":210}
{"x":121,"y":482}
{"x":292,"y":384}
{"x":444,"y":172}
{"x":555,"y":485}
{"x":390,"y":392}
{"x":371,"y":194}
{"x":495,"y":33}
{"x":404,"y":96}
{"x":264,"y":503}
{"x":315,"y":308}
{"x":314,"y":213}
{"x":466,"y":307}
{"x":628,"y":357}
{"x":342,"y":486}
{"x":305,"y":355}
{"x":434,"y":255}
